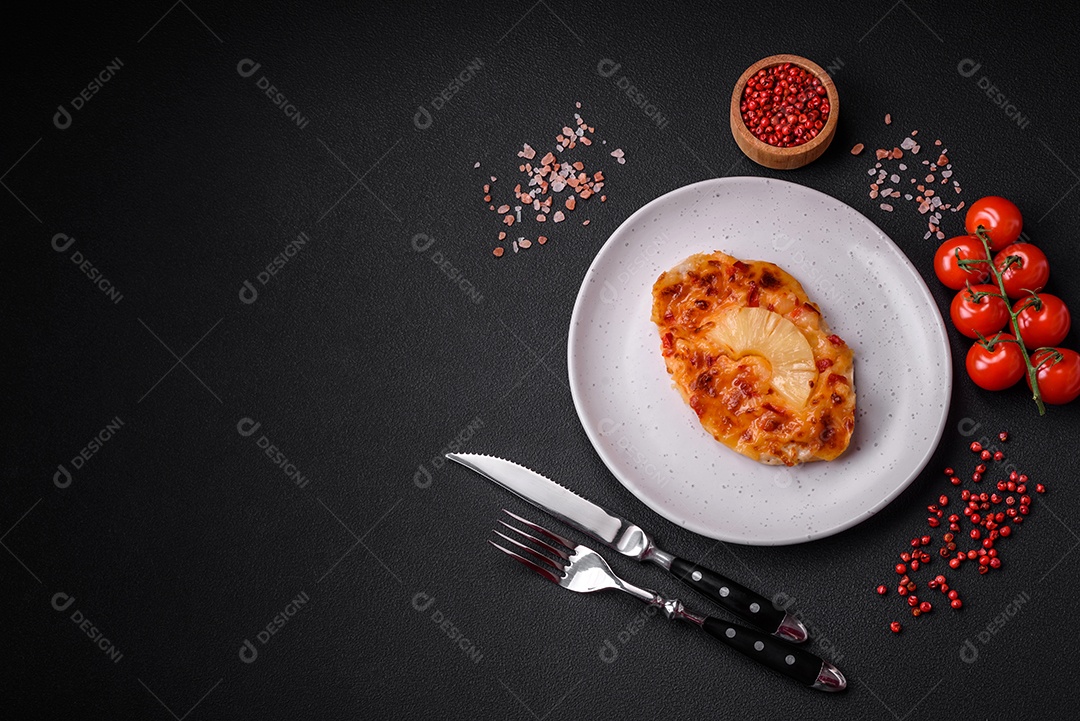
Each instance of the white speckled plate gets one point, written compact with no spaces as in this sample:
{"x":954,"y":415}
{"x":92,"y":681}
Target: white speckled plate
{"x":870,"y":295}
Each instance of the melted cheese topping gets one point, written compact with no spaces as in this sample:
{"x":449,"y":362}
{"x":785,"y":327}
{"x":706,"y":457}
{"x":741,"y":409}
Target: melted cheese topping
{"x":732,"y":392}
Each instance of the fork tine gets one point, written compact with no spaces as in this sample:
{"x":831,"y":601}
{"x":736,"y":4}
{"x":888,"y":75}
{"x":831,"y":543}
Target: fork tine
{"x":527,"y":563}
{"x":566,"y":543}
{"x":543,"y":544}
{"x":532,"y":551}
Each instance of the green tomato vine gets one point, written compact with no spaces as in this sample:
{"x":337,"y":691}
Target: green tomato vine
{"x":1049,"y":355}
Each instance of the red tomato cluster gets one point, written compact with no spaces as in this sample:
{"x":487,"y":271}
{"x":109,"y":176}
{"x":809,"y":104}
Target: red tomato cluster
{"x":996,"y":361}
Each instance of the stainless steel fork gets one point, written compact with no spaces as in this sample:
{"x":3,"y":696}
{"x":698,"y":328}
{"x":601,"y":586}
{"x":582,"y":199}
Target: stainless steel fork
{"x":581,"y":569}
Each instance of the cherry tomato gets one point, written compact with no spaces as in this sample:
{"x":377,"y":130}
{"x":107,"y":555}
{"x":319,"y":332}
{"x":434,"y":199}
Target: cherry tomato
{"x":1045,"y":324}
{"x":1029,"y":275}
{"x":987,"y":316}
{"x":1000,"y":217}
{"x":998,"y":369}
{"x":1058,"y":382}
{"x":949,"y":271}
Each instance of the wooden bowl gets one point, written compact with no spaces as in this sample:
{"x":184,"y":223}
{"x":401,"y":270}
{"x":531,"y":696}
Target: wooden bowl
{"x":769,"y":155}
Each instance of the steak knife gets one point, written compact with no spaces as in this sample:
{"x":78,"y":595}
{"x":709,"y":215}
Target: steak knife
{"x":629,"y":540}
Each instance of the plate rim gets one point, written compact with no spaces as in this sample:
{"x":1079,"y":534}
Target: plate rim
{"x":689,"y":524}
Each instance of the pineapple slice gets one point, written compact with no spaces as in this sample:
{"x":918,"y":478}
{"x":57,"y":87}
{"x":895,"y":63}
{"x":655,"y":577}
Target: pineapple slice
{"x":757,"y":331}
{"x":747,"y":372}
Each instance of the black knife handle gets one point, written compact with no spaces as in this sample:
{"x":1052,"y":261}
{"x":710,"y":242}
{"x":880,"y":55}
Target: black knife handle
{"x":787,"y":658}
{"x":735,"y":597}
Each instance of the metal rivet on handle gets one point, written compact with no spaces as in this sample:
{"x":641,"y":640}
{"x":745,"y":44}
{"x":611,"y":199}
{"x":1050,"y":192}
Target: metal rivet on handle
{"x":730,"y":633}
{"x":754,"y":608}
{"x":759,"y":646}
{"x":724,"y":591}
{"x":696,"y":575}
{"x":789,"y":659}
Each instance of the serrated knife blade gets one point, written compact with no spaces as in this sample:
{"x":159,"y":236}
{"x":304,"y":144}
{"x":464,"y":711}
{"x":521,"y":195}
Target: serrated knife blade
{"x":546,"y":494}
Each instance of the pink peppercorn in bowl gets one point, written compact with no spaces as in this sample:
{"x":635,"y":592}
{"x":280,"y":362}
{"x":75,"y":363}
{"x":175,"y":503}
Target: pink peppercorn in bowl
{"x":784,"y":111}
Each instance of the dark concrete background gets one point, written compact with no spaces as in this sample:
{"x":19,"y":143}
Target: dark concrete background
{"x":179,"y":180}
